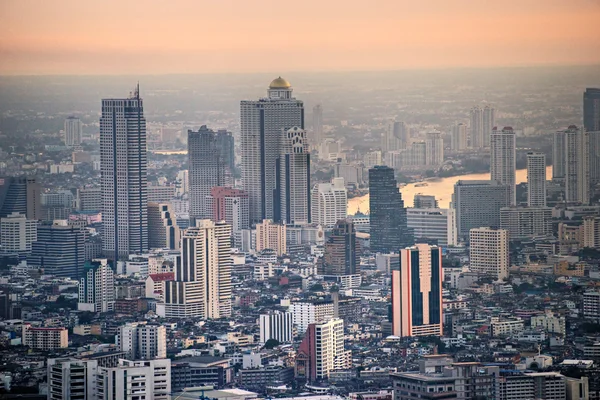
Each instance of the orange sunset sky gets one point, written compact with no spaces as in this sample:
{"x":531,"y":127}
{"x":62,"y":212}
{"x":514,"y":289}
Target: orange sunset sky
{"x":198,"y":36}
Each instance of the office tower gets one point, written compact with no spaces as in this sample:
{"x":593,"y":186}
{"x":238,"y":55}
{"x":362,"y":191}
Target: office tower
{"x":163,"y":232}
{"x":57,"y":205}
{"x":591,"y":109}
{"x":478,"y":203}
{"x":183,"y":182}
{"x":17,"y":233}
{"x":20,"y":195}
{"x":476,"y":118}
{"x":292,"y":193}
{"x":488,"y":252}
{"x":97,"y":287}
{"x":396,"y":137}
{"x":503,"y":165}
{"x":389,"y":231}
{"x":417,"y":292}
{"x":591,"y":232}
{"x":72,"y":132}
{"x":270,"y":235}
{"x":71,"y":379}
{"x":433,"y":225}
{"x":59,"y":250}
{"x":424,"y":201}
{"x":536,"y":179}
{"x":123,"y":164}
{"x":559,"y":154}
{"x":577,"y":171}
{"x":276,"y":325}
{"x":488,"y":122}
{"x":89,"y":199}
{"x":594,"y":160}
{"x":44,"y":339}
{"x":342,"y":251}
{"x":161,"y":193}
{"x":142,"y":379}
{"x":329,"y":202}
{"x":434,"y":149}
{"x":526,"y":222}
{"x":263,"y":123}
{"x":460,"y":138}
{"x":322,"y":351}
{"x":309,"y":312}
{"x":317,"y":124}
{"x":231,"y":205}
{"x":210,"y":165}
{"x":142,"y":341}
{"x":202,"y":285}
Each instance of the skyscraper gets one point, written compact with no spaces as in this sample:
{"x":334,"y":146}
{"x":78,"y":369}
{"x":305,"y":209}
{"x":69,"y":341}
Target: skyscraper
{"x":459,"y":137}
{"x":22,"y":195}
{"x":577,"y":171}
{"x":503,"y":160}
{"x":488,"y":252}
{"x":292,"y":195}
{"x":163,"y":232}
{"x":329,"y":202}
{"x":476,"y":118}
{"x":317,"y":125}
{"x":434,"y":149}
{"x":389,"y":231}
{"x":559,"y":154}
{"x":231,"y":205}
{"x":536,"y":179}
{"x":594,"y":162}
{"x":417,"y":292}
{"x":210,"y":165}
{"x":263,"y":123}
{"x":591,"y":109}
{"x":123,"y":164}
{"x":72,"y":132}
{"x":17,"y":233}
{"x":97,"y":287}
{"x":396,"y":137}
{"x":276,"y":325}
{"x":142,"y":341}
{"x":271,"y":236}
{"x":341,"y":255}
{"x":488,"y":122}
{"x":59,"y":250}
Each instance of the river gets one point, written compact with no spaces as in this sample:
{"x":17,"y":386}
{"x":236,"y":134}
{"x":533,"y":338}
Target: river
{"x":441,"y":188}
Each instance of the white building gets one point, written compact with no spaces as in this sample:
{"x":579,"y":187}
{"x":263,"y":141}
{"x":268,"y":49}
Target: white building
{"x":477,"y":140}
{"x":142,"y":341}
{"x":124,"y":176}
{"x":373,"y":158}
{"x":310,"y":312}
{"x":262,"y":122}
{"x":276,"y":325}
{"x":504,"y":327}
{"x":329,"y":202}
{"x":71,"y":378}
{"x":17,"y":233}
{"x":489,"y":252}
{"x":44,"y":338}
{"x":97,"y":287}
{"x":550,"y":323}
{"x":577,"y":171}
{"x":460,"y":139}
{"x":434,"y":149}
{"x":433,"y":223}
{"x":536,"y":179}
{"x":138,"y":379}
{"x":72,"y":132}
{"x":488,"y":122}
{"x":293,"y":205}
{"x":503,"y":165}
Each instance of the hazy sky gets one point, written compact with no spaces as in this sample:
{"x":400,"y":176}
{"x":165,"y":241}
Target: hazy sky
{"x":195,"y":36}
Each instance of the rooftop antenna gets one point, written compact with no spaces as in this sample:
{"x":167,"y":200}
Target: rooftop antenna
{"x":137,"y":91}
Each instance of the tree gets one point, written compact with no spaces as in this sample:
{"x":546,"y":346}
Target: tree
{"x":271,"y":344}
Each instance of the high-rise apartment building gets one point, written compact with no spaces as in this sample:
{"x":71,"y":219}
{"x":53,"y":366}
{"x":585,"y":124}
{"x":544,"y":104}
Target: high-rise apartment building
{"x":210,"y":165}
{"x":594,"y":161}
{"x":317,"y":125}
{"x":433,"y":225}
{"x":389,"y":231}
{"x":292,"y":194}
{"x":309,"y":312}
{"x":276,"y":325}
{"x":123,"y":163}
{"x":577,"y":171}
{"x":142,"y":379}
{"x":559,"y":154}
{"x":270,"y":235}
{"x":322,"y":351}
{"x":59,"y":249}
{"x":22,"y":195}
{"x":488,"y":122}
{"x":202,"y":285}
{"x":536,"y":179}
{"x":526,"y":222}
{"x":263,"y":123}
{"x":71,"y":379}
{"x":163,"y":232}
{"x":478,"y":203}
{"x":17,"y":233}
{"x":97,"y":287}
{"x":591,"y":232}
{"x":142,"y":341}
{"x":342,"y":251}
{"x":476,"y":137}
{"x":89,"y":199}
{"x":417,"y":292}
{"x":503,"y":160}
{"x":44,"y":338}
{"x":231,"y":205}
{"x":460,"y":138}
{"x":488,"y":252}
{"x":329,"y":202}
{"x":591,"y":109}
{"x":72,"y":132}
{"x":396,"y":137}
{"x":434,"y":149}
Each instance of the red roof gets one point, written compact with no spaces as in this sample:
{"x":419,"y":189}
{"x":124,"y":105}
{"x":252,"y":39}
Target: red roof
{"x":166,"y":276}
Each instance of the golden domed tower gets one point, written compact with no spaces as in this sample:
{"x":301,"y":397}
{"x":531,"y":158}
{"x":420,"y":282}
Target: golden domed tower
{"x":280,"y":89}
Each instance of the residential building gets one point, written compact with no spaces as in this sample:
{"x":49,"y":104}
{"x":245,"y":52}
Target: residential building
{"x":262,"y":123}
{"x":417,"y":292}
{"x":591,"y":305}
{"x":163,"y":232}
{"x":591,"y":232}
{"x":353,"y":175}
{"x":526,"y":222}
{"x":342,"y":252}
{"x":550,"y":323}
{"x":536,"y":179}
{"x":317,"y":125}
{"x":503,"y":165}
{"x":433,"y":225}
{"x":559,"y":155}
{"x":292,"y":196}
{"x":460,"y":139}
{"x":476,"y":118}
{"x":71,"y":378}
{"x":89,"y":199}
{"x":232,"y":206}
{"x":424,"y":201}
{"x":72,"y":132}
{"x":20,"y":195}
{"x":305,"y":313}
{"x":161,"y":193}
{"x":123,"y":163}
{"x":276,"y":325}
{"x":198,"y":371}
{"x":591,"y":109}
{"x":506,"y":326}
{"x":148,"y":379}
{"x":396,"y":137}
{"x":577,"y":169}
{"x":270,"y":235}
{"x":434,"y":149}
{"x":97,"y":287}
{"x":329,"y":202}
{"x":17,"y":233}
{"x":488,"y":252}
{"x":155,"y":285}
{"x":44,"y":338}
{"x":59,"y":249}
{"x":488,"y":122}
{"x":389,"y":231}
{"x":142,"y":341}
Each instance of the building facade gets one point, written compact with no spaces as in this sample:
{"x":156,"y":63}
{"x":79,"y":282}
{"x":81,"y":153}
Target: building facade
{"x":577,"y":171}
{"x":97,"y":287}
{"x":72,"y":132}
{"x":536,"y":179}
{"x":329,"y":202}
{"x":276,"y":325}
{"x":342,"y":251}
{"x":270,"y":235}
{"x":526,"y":222}
{"x":142,"y":341}
{"x":433,"y":225}
{"x":163,"y":232}
{"x":292,"y":194}
{"x":488,"y":252}
{"x":17,"y":233}
{"x":59,"y":249}
{"x":503,"y":159}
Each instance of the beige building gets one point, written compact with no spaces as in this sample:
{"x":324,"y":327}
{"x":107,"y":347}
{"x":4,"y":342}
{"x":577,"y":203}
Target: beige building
{"x":591,"y":232}
{"x":163,"y":232}
{"x":17,"y":233}
{"x":489,"y":252}
{"x":270,"y":235}
{"x":45,"y":338}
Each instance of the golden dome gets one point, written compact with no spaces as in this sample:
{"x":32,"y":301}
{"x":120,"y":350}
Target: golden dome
{"x":279,"y":83}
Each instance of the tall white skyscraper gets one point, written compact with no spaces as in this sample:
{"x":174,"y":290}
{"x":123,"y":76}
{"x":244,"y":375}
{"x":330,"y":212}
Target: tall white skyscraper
{"x":536,"y":179}
{"x":293,"y":170}
{"x":460,"y":137}
{"x":488,"y":121}
{"x":317,"y":125}
{"x":263,"y":123}
{"x":142,"y":341}
{"x":434,"y":149}
{"x":72,"y":132}
{"x":329,"y":202}
{"x":577,"y":171}
{"x":123,"y":164}
{"x":276,"y":325}
{"x":210,"y":165}
{"x":476,"y":118}
{"x":97,"y":287}
{"x":488,"y":252}
{"x":202,"y":285}
{"x":503,"y":160}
